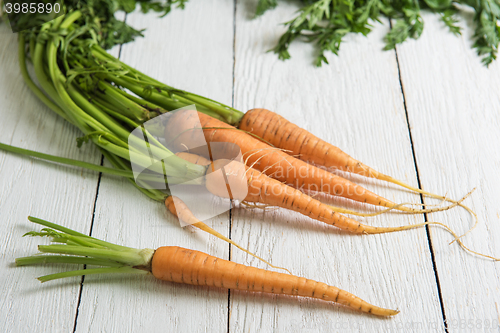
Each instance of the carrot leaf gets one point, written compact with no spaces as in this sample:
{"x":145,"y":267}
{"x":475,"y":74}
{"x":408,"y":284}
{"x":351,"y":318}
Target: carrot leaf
{"x":326,"y":22}
{"x":76,"y":248}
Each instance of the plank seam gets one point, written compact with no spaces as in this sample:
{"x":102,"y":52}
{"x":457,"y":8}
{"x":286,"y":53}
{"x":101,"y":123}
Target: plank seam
{"x":231,"y":201}
{"x":427,"y":229}
{"x":90,"y":234}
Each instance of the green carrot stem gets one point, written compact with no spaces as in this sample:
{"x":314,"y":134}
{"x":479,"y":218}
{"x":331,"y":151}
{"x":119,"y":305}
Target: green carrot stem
{"x":177,"y":166}
{"x":76,"y":233}
{"x":103,"y":105}
{"x":109,"y":124}
{"x":32,"y":44}
{"x":101,"y":100}
{"x":151,"y":96}
{"x":126,"y":173}
{"x":167,"y":102}
{"x":62,"y":259}
{"x":56,"y":226}
{"x":33,"y":87}
{"x":142,"y":102}
{"x":128,"y":107}
{"x":78,"y":117}
{"x":102,"y":55}
{"x":127,"y":257}
{"x":226,"y":113}
{"x":118,"y":259}
{"x":230,"y":115}
{"x":41,"y":76}
{"x":119,"y":164}
{"x":67,"y":161}
{"x":111,"y":270}
{"x":80,"y":241}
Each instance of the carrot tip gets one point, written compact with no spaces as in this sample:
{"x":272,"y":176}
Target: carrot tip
{"x":394,"y":312}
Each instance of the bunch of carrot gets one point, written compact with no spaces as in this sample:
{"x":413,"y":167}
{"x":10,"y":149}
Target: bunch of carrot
{"x":91,"y":89}
{"x":107,"y":100}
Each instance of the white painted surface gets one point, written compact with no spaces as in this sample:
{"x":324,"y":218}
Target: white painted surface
{"x":454,"y":112}
{"x":356,"y":103}
{"x":346,"y":103}
{"x":45,"y":190}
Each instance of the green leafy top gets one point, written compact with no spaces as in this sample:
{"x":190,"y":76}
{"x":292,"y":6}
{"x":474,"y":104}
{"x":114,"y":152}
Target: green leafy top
{"x":99,"y":21}
{"x":326,"y":22}
{"x":76,"y":248}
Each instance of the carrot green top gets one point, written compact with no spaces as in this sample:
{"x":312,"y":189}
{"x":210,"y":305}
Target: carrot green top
{"x":76,"y":248}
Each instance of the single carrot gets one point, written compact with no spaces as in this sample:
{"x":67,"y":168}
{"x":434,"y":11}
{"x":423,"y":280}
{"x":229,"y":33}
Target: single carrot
{"x":218,"y":190}
{"x":266,"y":190}
{"x":273,"y":162}
{"x":193,"y":158}
{"x":180,"y":265}
{"x":229,"y":178}
{"x":284,"y":134}
{"x":176,"y":264}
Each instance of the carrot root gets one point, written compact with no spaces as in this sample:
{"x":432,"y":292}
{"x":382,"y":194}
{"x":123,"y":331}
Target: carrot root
{"x":178,"y":208}
{"x":419,"y":211}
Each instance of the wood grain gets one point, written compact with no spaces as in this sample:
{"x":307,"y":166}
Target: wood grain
{"x":453,"y":106}
{"x":31,"y":187}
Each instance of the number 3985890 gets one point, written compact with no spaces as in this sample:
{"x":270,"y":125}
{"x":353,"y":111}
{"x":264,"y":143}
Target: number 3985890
{"x":40,"y":8}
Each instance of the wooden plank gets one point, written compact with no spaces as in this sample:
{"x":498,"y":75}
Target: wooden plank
{"x":192,"y":50}
{"x":356,"y":103}
{"x":32,"y":187}
{"x":453,"y":108}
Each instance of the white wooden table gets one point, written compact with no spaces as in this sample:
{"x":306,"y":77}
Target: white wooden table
{"x":428,"y":114}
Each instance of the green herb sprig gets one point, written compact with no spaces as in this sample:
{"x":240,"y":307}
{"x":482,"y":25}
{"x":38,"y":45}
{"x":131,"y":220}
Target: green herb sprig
{"x":326,"y":22}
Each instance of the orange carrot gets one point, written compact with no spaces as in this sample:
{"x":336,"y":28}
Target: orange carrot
{"x":176,"y":264}
{"x":234,"y":180}
{"x":283,"y":134}
{"x":275,"y":162}
{"x":269,"y":191}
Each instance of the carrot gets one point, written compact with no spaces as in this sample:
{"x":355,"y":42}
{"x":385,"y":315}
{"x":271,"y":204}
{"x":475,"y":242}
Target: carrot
{"x":230,"y":179}
{"x":234,"y":180}
{"x":176,"y":264}
{"x":193,"y":158}
{"x":215,"y":188}
{"x":272,"y":162}
{"x":283,"y":134}
{"x":180,"y":265}
{"x":266,"y":190}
